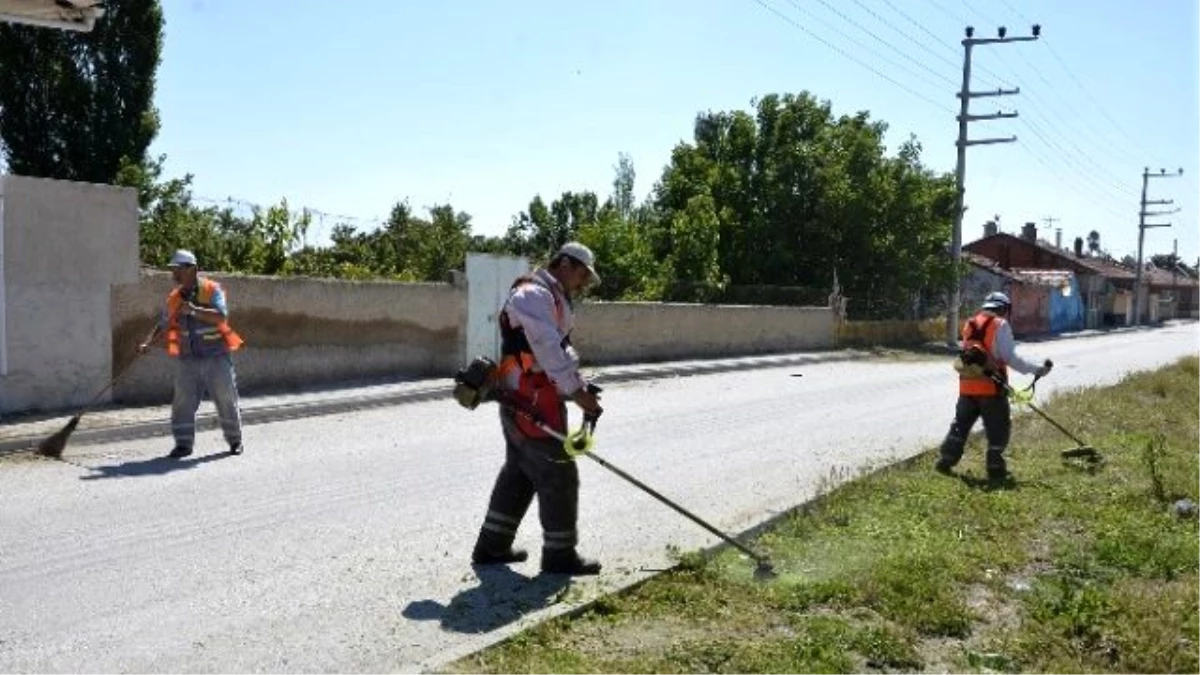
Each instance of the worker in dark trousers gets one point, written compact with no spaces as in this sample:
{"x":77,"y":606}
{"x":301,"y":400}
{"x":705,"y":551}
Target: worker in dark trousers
{"x":542,"y":368}
{"x":988,"y":348}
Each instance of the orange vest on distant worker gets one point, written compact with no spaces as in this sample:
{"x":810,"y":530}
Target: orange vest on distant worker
{"x":980,"y":332}
{"x":205,"y":290}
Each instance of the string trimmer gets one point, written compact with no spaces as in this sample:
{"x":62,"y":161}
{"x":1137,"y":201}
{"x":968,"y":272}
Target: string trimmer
{"x":477,"y":384}
{"x":1082,"y":450}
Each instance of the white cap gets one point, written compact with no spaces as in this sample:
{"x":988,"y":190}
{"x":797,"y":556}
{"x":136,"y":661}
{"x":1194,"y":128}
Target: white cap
{"x":183,"y":257}
{"x":996,"y":300}
{"x":583,"y":254}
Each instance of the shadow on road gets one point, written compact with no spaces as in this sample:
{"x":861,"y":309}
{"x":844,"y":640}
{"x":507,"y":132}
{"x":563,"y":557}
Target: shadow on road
{"x":155,"y":466}
{"x":502,"y":597}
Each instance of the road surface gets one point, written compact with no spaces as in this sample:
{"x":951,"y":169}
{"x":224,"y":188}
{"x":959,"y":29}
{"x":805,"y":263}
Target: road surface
{"x":341,"y":543}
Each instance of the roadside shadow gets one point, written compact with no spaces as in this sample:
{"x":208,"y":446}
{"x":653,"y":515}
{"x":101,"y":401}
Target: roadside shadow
{"x":502,"y":597}
{"x":155,"y":466}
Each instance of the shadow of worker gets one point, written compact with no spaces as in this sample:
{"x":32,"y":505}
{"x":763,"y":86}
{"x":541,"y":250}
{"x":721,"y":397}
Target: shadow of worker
{"x":155,"y":466}
{"x":502,"y":597}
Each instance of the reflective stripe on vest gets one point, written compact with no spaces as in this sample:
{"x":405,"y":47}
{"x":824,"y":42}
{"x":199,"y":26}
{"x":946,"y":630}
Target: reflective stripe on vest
{"x":205,"y":290}
{"x":982,"y":386}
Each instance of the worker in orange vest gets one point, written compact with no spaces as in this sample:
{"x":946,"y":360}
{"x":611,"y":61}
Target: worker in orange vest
{"x":542,"y":369}
{"x":201,"y":342}
{"x":988,"y":349}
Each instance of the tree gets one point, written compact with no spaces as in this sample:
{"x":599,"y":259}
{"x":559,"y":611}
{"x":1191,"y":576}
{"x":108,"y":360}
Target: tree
{"x":623,"y":185}
{"x":798,"y":192}
{"x":79,"y":106}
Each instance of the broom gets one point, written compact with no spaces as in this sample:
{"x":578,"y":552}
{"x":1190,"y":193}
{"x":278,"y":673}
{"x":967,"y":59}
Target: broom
{"x":53,"y":445}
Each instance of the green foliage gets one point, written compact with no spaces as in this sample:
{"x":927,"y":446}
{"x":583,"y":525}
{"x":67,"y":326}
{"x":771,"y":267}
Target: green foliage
{"x":798,"y":193}
{"x":79,"y":106}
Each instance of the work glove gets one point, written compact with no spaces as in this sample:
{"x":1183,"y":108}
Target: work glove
{"x":1044,"y":370}
{"x":587,"y":398}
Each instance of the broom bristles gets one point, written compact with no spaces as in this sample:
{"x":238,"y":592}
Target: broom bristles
{"x":54,"y":445}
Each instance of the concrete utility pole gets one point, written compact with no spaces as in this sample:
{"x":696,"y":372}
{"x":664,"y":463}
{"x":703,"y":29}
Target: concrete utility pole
{"x":1142,"y":225}
{"x":964,"y":118}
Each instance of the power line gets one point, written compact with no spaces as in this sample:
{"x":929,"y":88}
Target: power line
{"x":1080,"y":122}
{"x":1079,"y":84}
{"x":958,"y":18}
{"x":1056,"y":174}
{"x":880,"y":40}
{"x":1100,"y":171}
{"x":878,"y":55}
{"x":815,"y":36}
{"x":1099,"y":191}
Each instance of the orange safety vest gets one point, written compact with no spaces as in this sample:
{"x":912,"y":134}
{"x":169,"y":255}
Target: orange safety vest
{"x":979,"y":332}
{"x":534,"y":387}
{"x":205,"y":290}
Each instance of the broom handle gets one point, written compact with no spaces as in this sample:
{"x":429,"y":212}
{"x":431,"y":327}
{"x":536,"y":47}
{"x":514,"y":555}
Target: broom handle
{"x":113,"y":382}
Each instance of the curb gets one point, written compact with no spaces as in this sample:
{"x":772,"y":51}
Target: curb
{"x":434,"y":390}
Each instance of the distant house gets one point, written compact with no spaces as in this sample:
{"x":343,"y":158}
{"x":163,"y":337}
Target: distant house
{"x":1104,"y":288}
{"x":1178,"y":294}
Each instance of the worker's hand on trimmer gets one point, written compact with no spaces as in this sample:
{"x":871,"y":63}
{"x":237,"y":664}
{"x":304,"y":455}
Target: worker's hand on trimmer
{"x":588,"y":401}
{"x":1044,"y":370}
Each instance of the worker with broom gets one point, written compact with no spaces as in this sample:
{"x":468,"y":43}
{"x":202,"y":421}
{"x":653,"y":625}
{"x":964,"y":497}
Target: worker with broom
{"x":988,"y":349}
{"x":542,"y":368}
{"x":200,"y":340}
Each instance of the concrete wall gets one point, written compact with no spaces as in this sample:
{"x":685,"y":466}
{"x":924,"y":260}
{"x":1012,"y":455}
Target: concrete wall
{"x":625,"y":332}
{"x":891,"y":333}
{"x":64,"y":244}
{"x":302,"y":332}
{"x":308,"y":332}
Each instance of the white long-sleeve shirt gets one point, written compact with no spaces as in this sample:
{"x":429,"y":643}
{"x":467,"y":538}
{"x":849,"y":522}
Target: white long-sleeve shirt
{"x":532,"y":307}
{"x":1004,"y":348}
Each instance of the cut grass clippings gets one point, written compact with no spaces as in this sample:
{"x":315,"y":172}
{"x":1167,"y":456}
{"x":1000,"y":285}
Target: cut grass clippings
{"x":1065,"y":569}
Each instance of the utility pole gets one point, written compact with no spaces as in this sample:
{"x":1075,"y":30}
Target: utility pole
{"x":1142,"y":226}
{"x":964,"y":118}
{"x":1174,"y":280}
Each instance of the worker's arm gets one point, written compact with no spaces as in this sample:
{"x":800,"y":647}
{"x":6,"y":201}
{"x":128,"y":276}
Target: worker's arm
{"x":210,"y":315}
{"x":155,"y":332}
{"x":1004,"y":349}
{"x":532,"y":308}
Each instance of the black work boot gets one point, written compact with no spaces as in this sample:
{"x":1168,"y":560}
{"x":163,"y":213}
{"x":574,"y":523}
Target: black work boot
{"x":568,"y":561}
{"x":235,"y":448}
{"x":944,"y":467}
{"x":492,"y":548}
{"x":482,"y":556}
{"x":179,"y":452}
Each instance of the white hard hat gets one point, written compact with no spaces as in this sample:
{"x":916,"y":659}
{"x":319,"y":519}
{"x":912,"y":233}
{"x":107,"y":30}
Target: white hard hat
{"x":581,"y":253}
{"x":996,"y":300}
{"x":183,"y":257}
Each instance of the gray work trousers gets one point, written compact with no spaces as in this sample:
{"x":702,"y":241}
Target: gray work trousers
{"x":194,"y":377}
{"x":997,"y":426}
{"x":532,"y":466}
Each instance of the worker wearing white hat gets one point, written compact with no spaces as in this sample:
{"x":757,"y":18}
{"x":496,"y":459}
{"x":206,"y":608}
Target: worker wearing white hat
{"x":988,"y":348}
{"x":200,"y":341}
{"x":542,"y":368}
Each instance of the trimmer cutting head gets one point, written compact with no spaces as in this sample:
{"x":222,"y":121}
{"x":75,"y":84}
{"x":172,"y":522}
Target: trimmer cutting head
{"x":1084,"y":452}
{"x":764,"y":571}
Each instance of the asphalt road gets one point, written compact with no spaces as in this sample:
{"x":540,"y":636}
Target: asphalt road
{"x":341,"y":543}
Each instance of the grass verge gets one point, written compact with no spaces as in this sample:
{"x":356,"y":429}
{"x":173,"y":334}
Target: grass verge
{"x":1067,"y":569}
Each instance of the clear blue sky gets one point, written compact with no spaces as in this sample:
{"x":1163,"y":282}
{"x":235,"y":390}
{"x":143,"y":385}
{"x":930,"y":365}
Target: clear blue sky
{"x":348,"y":107}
